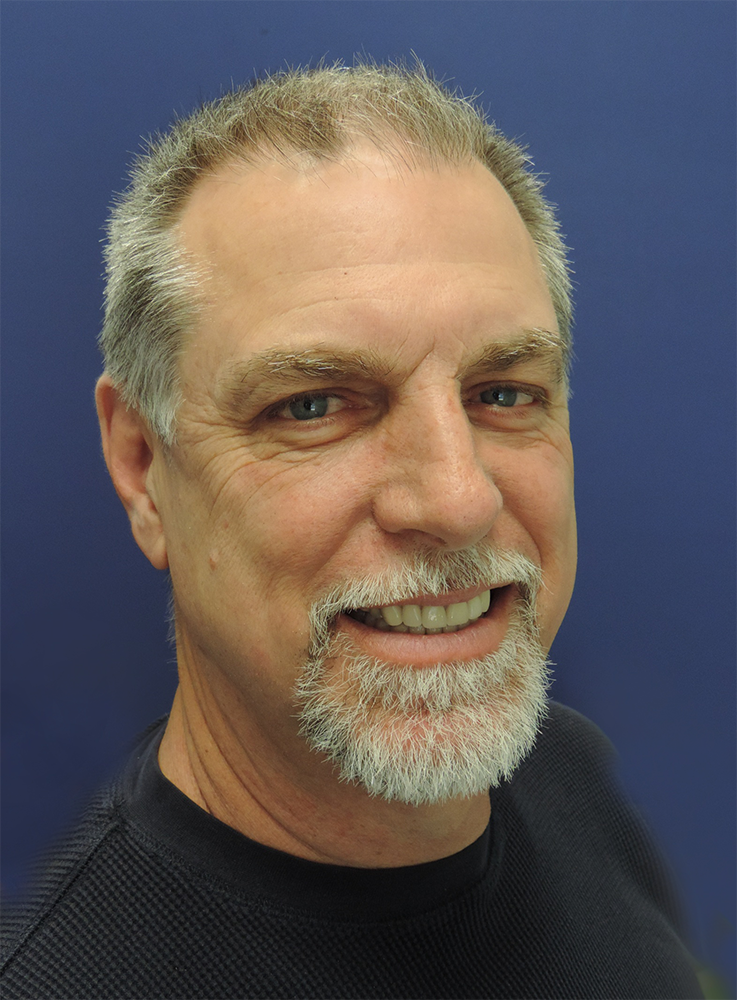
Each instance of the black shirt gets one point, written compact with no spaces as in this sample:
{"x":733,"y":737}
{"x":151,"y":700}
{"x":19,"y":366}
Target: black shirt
{"x":562,"y":896}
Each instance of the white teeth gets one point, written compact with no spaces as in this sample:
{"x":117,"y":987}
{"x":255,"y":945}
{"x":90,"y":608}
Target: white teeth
{"x":474,"y":608}
{"x":457,"y":614}
{"x":412,"y":615}
{"x":426,"y":619}
{"x":434,"y":617}
{"x":392,"y":615}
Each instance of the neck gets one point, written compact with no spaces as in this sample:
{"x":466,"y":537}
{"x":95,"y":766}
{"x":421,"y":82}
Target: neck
{"x":290,"y":799}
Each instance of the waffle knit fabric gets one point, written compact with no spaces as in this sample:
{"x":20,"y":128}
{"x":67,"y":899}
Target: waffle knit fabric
{"x":562,"y":896}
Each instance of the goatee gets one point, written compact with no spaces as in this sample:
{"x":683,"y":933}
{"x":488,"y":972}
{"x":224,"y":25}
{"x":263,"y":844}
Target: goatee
{"x":423,"y":736}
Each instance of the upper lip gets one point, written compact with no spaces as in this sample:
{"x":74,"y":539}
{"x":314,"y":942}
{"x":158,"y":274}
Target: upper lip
{"x":445,"y":600}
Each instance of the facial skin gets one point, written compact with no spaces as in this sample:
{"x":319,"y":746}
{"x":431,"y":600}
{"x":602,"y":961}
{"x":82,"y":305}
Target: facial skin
{"x":402,"y":294}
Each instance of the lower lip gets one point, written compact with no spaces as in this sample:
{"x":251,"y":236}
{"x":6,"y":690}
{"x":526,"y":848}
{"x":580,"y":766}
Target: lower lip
{"x":484,"y":636}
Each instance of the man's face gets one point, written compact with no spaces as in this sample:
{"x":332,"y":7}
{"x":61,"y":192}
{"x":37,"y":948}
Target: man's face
{"x":369,"y":385}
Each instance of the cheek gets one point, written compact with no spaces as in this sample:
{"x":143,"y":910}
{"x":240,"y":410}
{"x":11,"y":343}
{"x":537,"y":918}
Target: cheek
{"x":540,"y":499}
{"x":287,"y":520}
{"x":560,"y":575}
{"x":281,"y":535}
{"x":249,"y":556}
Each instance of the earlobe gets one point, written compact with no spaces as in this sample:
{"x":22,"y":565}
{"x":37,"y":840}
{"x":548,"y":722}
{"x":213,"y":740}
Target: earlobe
{"x":131,"y":452}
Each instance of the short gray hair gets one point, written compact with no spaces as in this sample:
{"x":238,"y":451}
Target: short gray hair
{"x":151,"y":297}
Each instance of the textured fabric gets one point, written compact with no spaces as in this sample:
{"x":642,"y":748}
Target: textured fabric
{"x":563,"y":896}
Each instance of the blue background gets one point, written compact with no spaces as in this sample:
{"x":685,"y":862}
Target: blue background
{"x":630,"y":108}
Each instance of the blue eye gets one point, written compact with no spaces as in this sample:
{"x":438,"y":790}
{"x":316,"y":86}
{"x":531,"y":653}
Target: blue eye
{"x":309,"y":407}
{"x":502,"y":397}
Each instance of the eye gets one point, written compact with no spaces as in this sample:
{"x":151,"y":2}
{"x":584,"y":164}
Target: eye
{"x":310,"y":407}
{"x":506,"y":396}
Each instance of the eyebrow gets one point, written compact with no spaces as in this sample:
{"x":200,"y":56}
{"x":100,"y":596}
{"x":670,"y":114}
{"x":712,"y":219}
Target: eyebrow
{"x":277,"y":369}
{"x":532,"y":345}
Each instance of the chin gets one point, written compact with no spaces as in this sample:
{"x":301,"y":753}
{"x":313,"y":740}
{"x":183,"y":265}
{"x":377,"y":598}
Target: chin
{"x":421,"y":737}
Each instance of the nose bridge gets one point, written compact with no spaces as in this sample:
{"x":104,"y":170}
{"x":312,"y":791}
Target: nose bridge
{"x":441,"y":438}
{"x":436,"y":483}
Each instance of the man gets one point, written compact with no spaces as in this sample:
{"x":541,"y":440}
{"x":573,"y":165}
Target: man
{"x":335,"y":408}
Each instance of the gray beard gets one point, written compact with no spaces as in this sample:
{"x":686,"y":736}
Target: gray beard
{"x":423,"y":736}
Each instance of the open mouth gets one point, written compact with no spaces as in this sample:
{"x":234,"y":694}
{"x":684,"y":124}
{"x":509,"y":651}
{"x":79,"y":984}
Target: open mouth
{"x":425,"y":619}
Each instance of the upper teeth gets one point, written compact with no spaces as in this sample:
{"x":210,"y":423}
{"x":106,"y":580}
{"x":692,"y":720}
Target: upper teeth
{"x":433,"y":616}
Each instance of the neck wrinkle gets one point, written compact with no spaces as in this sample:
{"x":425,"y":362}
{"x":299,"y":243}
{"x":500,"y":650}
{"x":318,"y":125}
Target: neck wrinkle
{"x":318,"y":819}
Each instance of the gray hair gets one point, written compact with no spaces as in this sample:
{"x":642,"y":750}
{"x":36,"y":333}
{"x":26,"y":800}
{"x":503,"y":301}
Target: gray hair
{"x":152,"y":292}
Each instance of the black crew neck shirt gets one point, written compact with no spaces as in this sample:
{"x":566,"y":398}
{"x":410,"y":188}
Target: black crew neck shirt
{"x":563,"y":896}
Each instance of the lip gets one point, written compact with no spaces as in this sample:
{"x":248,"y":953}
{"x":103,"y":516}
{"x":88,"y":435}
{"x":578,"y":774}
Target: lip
{"x":482,"y":637}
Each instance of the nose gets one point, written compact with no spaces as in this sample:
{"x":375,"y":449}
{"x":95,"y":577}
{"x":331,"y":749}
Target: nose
{"x":433,"y":482}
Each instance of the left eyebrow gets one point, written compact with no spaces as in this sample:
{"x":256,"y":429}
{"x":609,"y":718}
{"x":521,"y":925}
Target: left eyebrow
{"x":533,"y":345}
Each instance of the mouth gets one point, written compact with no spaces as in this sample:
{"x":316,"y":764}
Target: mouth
{"x":426,"y":618}
{"x":473,"y":628}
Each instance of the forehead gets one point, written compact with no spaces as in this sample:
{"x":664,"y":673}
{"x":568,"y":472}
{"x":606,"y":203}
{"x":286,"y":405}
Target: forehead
{"x":372,"y":209}
{"x":323,"y":250}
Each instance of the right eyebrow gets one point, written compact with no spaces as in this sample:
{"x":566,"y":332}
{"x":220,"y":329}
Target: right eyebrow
{"x":277,"y":370}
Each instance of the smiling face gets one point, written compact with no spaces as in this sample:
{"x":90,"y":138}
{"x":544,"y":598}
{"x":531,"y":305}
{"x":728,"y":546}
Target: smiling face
{"x":376,"y":380}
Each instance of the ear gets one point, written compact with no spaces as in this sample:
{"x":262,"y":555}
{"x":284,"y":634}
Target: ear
{"x":130,"y":451}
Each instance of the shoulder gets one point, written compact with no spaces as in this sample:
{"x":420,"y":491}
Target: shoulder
{"x":567,"y":803}
{"x":91,"y":854}
{"x":59,"y":872}
{"x":572,"y":747}
{"x":570,"y":778}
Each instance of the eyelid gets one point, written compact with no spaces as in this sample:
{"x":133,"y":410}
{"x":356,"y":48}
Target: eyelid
{"x":539,"y":393}
{"x":276,"y":409}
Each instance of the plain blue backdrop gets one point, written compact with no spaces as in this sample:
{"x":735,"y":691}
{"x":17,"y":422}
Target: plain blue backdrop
{"x":629,"y":107}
